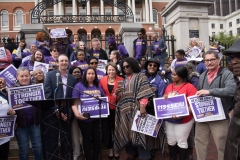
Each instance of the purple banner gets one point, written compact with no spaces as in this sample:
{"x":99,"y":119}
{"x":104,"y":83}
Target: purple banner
{"x":9,"y":74}
{"x":18,"y":95}
{"x":174,"y":106}
{"x":58,"y":33}
{"x":91,"y":106}
{"x":203,"y":106}
{"x":7,"y":126}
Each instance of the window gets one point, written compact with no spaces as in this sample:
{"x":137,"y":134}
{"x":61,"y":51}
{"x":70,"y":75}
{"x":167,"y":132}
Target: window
{"x":50,"y":13}
{"x":138,"y":16}
{"x":137,"y":2}
{"x":120,"y":12}
{"x":68,"y":2}
{"x":82,"y":11}
{"x":4,"y":18}
{"x":155,"y":16}
{"x":230,"y":33}
{"x":108,"y":11}
{"x":68,"y":11}
{"x":237,"y":21}
{"x":19,"y":18}
{"x":238,"y":30}
{"x":213,"y":25}
{"x":95,"y":11}
{"x":230,"y":24}
{"x":213,"y":33}
{"x":221,"y":26}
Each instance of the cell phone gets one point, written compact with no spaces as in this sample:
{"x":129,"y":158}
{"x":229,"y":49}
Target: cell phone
{"x":86,"y":115}
{"x":120,"y":83}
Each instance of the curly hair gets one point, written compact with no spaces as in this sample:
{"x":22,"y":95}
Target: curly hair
{"x":133,"y":63}
{"x":40,"y":35}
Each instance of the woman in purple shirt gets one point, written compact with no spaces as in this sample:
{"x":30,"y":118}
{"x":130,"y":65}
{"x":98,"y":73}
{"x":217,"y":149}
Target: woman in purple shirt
{"x":88,"y":126}
{"x":80,"y":60}
{"x":52,"y":60}
{"x":37,"y":56}
{"x":93,"y":62}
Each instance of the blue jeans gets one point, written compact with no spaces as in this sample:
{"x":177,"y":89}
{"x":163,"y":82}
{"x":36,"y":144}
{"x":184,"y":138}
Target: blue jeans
{"x":22,"y":135}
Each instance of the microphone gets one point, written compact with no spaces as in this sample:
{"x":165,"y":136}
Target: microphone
{"x":57,"y":76}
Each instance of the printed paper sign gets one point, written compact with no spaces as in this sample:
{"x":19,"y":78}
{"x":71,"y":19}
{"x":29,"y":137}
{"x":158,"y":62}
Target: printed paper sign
{"x":206,"y":108}
{"x":195,"y":52}
{"x":7,"y":126}
{"x":102,"y":64}
{"x":58,"y":33}
{"x":174,"y":106}
{"x":41,"y":66}
{"x":148,"y":125}
{"x":9,"y":74}
{"x":18,"y":95}
{"x":3,"y":52}
{"x":91,"y":106}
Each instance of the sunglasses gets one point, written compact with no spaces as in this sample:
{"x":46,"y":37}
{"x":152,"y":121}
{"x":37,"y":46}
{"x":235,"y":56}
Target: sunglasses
{"x":55,"y":50}
{"x":154,"y":65}
{"x":93,"y":62}
{"x":126,"y":67}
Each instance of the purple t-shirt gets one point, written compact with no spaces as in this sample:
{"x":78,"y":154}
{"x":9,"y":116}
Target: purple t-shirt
{"x":181,"y":62}
{"x":96,"y":53}
{"x":139,"y":48}
{"x":100,"y":74}
{"x":27,"y":64}
{"x":72,"y":45}
{"x":156,"y":45}
{"x":92,"y":90}
{"x":50,"y":61}
{"x":122,"y":50}
{"x":83,"y":65}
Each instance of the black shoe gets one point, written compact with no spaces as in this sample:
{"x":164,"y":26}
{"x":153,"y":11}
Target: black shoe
{"x":183,"y":153}
{"x":110,"y":157}
{"x":117,"y":157}
{"x":173,"y":152}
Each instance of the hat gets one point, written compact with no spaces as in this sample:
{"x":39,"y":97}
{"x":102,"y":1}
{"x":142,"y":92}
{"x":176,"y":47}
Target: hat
{"x":235,"y":48}
{"x":111,"y":41}
{"x":155,"y":60}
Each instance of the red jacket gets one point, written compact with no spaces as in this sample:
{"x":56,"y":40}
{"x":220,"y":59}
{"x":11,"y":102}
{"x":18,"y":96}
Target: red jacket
{"x":5,"y":62}
{"x":111,"y":96}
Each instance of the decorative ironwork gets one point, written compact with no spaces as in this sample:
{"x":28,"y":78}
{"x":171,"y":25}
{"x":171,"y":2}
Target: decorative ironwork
{"x":36,"y":15}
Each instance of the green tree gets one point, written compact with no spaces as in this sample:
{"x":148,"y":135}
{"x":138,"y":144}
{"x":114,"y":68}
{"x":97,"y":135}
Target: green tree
{"x":225,"y":38}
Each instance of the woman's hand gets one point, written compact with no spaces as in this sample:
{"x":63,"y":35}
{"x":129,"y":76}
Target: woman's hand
{"x":175,"y":117}
{"x":143,"y":111}
{"x":2,"y":83}
{"x":81,"y":117}
{"x":118,"y":89}
{"x":11,"y":112}
{"x":165,"y":96}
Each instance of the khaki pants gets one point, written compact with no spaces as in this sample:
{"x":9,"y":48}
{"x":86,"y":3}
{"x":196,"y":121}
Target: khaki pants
{"x":219,"y":130}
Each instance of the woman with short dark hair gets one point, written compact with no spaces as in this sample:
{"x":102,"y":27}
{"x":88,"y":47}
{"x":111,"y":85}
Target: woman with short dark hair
{"x":180,"y":59}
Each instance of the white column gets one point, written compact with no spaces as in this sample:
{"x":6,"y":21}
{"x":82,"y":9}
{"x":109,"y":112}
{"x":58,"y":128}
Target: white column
{"x":55,"y":9}
{"x":144,"y":11}
{"x":101,"y":7}
{"x":151,"y":10}
{"x":74,"y":7}
{"x":115,"y":8}
{"x":60,"y":8}
{"x":129,"y":3}
{"x":133,"y":10}
{"x":215,"y":8}
{"x":147,"y":10}
{"x":36,"y":2}
{"x":88,"y":8}
{"x":236,"y":5}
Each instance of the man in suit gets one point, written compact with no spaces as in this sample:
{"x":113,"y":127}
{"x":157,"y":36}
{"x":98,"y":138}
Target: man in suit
{"x":52,"y":91}
{"x":158,"y":49}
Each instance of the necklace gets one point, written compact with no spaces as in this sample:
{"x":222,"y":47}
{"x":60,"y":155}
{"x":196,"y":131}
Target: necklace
{"x":111,"y":80}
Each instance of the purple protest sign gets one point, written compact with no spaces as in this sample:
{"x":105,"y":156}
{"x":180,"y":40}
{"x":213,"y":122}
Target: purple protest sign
{"x":18,"y":95}
{"x":176,"y":105}
{"x":7,"y":126}
{"x":203,"y":106}
{"x":58,"y":33}
{"x":148,"y":125}
{"x":9,"y":74}
{"x":91,"y":106}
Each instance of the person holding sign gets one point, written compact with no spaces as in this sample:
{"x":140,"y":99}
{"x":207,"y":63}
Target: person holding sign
{"x":109,"y":84}
{"x":217,"y":82}
{"x":4,"y":110}
{"x":81,"y":63}
{"x":132,"y":96}
{"x":37,"y":56}
{"x":28,"y":124}
{"x":88,"y":126}
{"x":93,"y":62}
{"x":178,"y":128}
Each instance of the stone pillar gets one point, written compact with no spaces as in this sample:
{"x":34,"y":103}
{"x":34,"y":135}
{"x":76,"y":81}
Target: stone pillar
{"x":147,"y":11}
{"x":133,"y":10}
{"x":129,"y":3}
{"x":74,"y":7}
{"x":55,"y":9}
{"x":151,"y":12}
{"x":182,"y":30}
{"x":60,"y":8}
{"x":115,"y":9}
{"x":102,"y":7}
{"x":88,"y":8}
{"x":129,"y":34}
{"x":36,"y":2}
{"x":203,"y":31}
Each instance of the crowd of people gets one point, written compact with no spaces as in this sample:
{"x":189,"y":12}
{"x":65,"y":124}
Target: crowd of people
{"x":131,"y":84}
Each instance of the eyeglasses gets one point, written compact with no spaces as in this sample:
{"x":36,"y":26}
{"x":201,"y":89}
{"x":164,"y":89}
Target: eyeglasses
{"x":209,"y":60}
{"x":93,"y":63}
{"x":126,"y":67}
{"x":150,"y":65}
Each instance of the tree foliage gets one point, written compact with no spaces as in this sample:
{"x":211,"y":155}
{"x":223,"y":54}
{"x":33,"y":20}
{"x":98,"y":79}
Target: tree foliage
{"x":225,"y":38}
